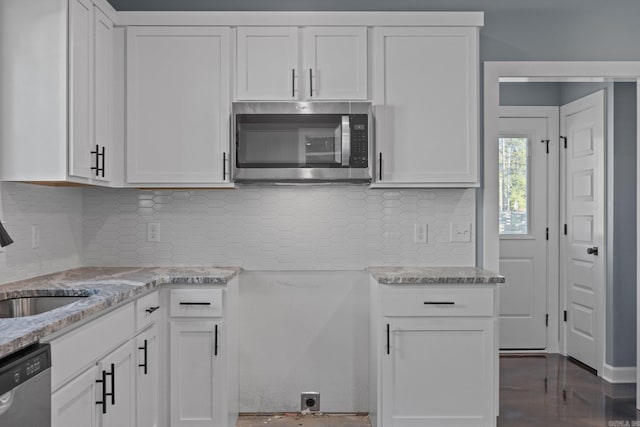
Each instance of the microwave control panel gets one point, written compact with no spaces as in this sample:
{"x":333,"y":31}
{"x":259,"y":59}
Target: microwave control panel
{"x":359,"y":141}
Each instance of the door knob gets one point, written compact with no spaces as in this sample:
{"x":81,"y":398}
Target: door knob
{"x":593,"y":251}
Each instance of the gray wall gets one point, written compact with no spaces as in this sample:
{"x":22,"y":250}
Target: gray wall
{"x":621,"y":326}
{"x":530,"y":94}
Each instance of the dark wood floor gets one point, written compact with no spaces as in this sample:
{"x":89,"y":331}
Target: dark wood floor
{"x":549,"y":391}
{"x":535,"y":391}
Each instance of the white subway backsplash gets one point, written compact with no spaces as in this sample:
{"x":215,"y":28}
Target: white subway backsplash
{"x":58,"y":214}
{"x":277,"y":228}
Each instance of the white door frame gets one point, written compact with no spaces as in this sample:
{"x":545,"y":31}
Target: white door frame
{"x":549,"y":71}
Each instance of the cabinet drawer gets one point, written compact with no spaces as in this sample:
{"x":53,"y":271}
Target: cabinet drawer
{"x":74,"y":351}
{"x":147,"y":310}
{"x":438,"y":302}
{"x":195,"y":303}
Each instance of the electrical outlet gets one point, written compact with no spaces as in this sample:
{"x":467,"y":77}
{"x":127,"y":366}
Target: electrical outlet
{"x":461,"y":232}
{"x":35,"y":236}
{"x":420,"y":233}
{"x":309,"y":401}
{"x":153,"y":232}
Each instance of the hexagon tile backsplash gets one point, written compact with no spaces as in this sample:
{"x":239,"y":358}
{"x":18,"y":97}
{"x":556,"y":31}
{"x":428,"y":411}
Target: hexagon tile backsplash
{"x":277,"y":228}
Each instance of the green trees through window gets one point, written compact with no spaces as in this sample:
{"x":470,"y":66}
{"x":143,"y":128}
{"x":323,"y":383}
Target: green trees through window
{"x":513,"y":185}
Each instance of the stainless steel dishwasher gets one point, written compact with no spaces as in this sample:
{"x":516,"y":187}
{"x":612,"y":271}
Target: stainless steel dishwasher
{"x":25,"y":388}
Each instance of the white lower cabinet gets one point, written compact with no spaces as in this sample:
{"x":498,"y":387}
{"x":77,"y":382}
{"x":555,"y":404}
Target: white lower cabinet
{"x":147,"y":376}
{"x":197,"y":370}
{"x":433,"y":356}
{"x":74,"y":405}
{"x":116,"y":387}
{"x":438,"y":372}
{"x":203,"y":389}
{"x":104,"y":373}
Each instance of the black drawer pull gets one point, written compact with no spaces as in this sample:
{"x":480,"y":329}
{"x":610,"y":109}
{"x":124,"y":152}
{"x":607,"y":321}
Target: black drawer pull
{"x":152,"y":309}
{"x":195,"y":303}
{"x":439,"y":303}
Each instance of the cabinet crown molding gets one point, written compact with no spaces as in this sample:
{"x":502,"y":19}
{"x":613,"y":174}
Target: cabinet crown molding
{"x":231,"y":19}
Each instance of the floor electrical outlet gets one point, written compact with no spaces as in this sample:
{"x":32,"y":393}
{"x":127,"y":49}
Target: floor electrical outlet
{"x":309,"y":401}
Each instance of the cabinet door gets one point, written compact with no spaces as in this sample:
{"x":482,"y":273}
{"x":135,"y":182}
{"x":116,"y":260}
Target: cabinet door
{"x":334,"y":63}
{"x":426,"y":92}
{"x":267,"y":63}
{"x":103,"y":92}
{"x":120,"y":364}
{"x":74,"y":405}
{"x":80,"y":88}
{"x":177,"y":104}
{"x":196,"y":383}
{"x":147,"y":376}
{"x":438,"y":372}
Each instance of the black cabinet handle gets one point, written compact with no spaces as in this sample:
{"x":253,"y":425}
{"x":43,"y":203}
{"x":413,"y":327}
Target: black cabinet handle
{"x":380,"y":169}
{"x":439,"y":303}
{"x":97,"y":166}
{"x":100,"y":155}
{"x":113,"y":385}
{"x":215,"y":341}
{"x":224,"y":166}
{"x":104,"y":156}
{"x":293,"y":82}
{"x":103,"y":402}
{"x":388,"y":339}
{"x":144,"y":365}
{"x":152,"y":309}
{"x":310,"y":82}
{"x":195,"y":303}
{"x":593,"y":251}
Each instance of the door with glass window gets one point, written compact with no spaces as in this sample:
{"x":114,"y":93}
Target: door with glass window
{"x":523,"y":225}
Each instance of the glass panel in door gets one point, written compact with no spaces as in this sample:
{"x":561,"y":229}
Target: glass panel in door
{"x":513,"y":185}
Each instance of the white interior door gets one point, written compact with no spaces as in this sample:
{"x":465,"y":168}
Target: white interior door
{"x":524,"y":226}
{"x":582,"y":122}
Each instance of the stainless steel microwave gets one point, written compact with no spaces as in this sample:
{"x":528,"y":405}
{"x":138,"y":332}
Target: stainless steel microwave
{"x":302,"y":141}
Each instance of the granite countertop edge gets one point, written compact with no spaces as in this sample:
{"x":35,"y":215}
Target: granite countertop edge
{"x":435,"y":276}
{"x":104,"y":287}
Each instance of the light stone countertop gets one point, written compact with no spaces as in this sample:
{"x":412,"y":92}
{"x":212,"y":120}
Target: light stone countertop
{"x":434,"y":276}
{"x":104,"y":287}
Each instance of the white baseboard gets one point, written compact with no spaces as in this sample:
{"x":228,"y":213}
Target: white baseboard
{"x":615,"y":375}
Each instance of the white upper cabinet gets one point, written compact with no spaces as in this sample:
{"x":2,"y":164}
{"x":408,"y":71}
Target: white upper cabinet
{"x":104,"y":145}
{"x":80,"y":87}
{"x":267,"y":63}
{"x":426,"y":97}
{"x":177,"y":105}
{"x":335,"y":62}
{"x":56,"y":79}
{"x":90,"y":93}
{"x":332,"y":66}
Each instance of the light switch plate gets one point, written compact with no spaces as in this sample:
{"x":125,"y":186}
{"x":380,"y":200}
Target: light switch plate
{"x":153,"y":232}
{"x":461,"y":232}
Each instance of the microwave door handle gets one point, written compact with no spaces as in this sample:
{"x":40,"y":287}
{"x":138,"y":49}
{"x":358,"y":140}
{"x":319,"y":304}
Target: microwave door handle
{"x":346,"y":141}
